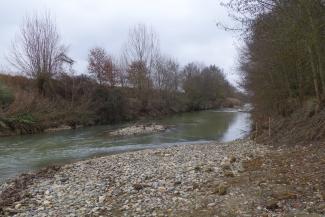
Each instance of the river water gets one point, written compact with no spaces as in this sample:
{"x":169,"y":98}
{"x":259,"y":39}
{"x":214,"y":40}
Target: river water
{"x":26,"y":153}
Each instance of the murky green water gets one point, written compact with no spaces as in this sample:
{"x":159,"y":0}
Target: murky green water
{"x":24,"y":153}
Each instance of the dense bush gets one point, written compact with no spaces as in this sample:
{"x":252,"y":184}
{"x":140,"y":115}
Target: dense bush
{"x":109,"y":105}
{"x":205,"y":87}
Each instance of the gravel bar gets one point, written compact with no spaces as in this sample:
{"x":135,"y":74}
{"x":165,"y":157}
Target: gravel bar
{"x":174,"y":181}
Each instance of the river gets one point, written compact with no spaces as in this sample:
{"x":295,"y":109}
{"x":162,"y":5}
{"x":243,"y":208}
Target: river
{"x":30,"y":152}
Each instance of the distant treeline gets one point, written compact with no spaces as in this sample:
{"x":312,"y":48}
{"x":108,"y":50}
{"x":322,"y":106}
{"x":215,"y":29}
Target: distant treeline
{"x":141,"y":83}
{"x":283,"y":62}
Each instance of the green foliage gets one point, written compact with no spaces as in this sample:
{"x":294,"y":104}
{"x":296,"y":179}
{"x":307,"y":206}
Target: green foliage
{"x":23,"y":119}
{"x":6,"y":97}
{"x":2,"y":123}
{"x":20,"y":124}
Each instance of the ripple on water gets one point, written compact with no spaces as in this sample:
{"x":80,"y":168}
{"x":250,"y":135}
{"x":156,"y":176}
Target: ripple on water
{"x":24,"y":153}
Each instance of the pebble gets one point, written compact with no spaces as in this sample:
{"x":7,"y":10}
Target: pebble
{"x":138,"y":130}
{"x":17,"y":206}
{"x":101,"y":199}
{"x":142,"y":182}
{"x":46,"y":203}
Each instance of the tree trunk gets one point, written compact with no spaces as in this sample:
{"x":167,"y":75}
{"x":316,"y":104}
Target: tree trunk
{"x":317,"y":52}
{"x":320,"y":70}
{"x":313,"y":68}
{"x":300,"y":84}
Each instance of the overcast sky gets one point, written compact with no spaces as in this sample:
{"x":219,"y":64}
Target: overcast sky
{"x":187,"y":28}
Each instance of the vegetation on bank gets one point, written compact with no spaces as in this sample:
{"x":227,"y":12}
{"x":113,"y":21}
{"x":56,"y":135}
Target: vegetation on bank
{"x":48,"y":93}
{"x":283,"y":65}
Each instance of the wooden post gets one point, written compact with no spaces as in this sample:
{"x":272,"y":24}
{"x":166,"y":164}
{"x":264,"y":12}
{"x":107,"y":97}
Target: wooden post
{"x":256,"y":132}
{"x":270,"y":127}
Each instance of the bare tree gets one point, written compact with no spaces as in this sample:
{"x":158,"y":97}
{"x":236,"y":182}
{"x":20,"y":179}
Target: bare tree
{"x":138,"y":76}
{"x":167,"y":75}
{"x":122,"y":71}
{"x":142,"y":46}
{"x":283,"y":57}
{"x":101,"y":65}
{"x":139,"y":80}
{"x":37,"y":51}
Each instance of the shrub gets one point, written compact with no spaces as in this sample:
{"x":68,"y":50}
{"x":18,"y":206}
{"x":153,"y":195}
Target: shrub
{"x":6,"y":97}
{"x":110,"y":105}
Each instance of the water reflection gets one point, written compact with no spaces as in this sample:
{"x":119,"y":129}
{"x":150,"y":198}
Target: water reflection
{"x":239,"y":128}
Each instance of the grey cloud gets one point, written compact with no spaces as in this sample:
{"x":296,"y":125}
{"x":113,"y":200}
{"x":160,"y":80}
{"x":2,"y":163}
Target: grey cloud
{"x":186,"y":28}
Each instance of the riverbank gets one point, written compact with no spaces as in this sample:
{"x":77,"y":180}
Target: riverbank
{"x":233,"y":179}
{"x":25,"y":110}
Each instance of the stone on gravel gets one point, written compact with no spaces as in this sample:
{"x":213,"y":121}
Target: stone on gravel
{"x":178,"y":179}
{"x":222,"y":189}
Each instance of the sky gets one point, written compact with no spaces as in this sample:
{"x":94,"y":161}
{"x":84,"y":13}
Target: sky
{"x":187,"y":28}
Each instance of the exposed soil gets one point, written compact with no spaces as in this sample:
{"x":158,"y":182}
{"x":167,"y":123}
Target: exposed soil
{"x":300,"y":128}
{"x":284,"y":182}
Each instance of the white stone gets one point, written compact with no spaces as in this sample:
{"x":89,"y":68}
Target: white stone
{"x":17,"y":206}
{"x":101,"y":199}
